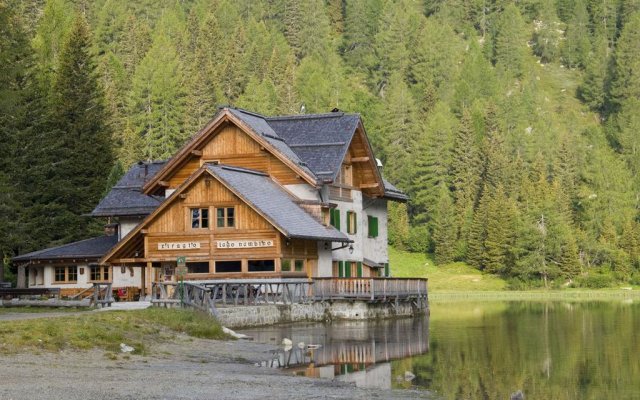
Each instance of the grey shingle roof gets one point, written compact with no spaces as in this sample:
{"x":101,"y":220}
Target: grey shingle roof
{"x":89,"y":248}
{"x":393,"y":192}
{"x":262,"y":128}
{"x":126,"y":197}
{"x":319,"y":141}
{"x":260,"y":192}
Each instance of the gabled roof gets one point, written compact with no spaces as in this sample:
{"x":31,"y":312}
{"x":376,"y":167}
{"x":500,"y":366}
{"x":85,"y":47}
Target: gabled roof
{"x":273,"y":203}
{"x":320,"y":140}
{"x":126,"y":197}
{"x":260,"y":193}
{"x":84,"y":249}
{"x":313,"y":145}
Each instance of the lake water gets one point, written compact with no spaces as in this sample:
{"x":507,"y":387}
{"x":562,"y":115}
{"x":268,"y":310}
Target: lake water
{"x":477,"y":350}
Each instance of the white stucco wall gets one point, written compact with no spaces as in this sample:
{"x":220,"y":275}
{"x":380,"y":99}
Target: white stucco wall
{"x":325,"y":260}
{"x":127,"y":224}
{"x":45,"y":277}
{"x":303,"y":191}
{"x":374,"y":249}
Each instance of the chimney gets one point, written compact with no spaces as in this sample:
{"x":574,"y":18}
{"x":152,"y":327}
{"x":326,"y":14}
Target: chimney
{"x":111,"y":229}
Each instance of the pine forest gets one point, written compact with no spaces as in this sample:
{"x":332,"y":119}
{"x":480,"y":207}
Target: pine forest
{"x":514,"y":127}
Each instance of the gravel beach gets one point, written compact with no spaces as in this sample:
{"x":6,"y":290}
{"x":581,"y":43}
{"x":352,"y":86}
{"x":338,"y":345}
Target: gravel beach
{"x":186,"y":368}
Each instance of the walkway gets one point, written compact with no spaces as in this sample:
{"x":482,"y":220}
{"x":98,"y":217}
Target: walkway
{"x":119,"y":306}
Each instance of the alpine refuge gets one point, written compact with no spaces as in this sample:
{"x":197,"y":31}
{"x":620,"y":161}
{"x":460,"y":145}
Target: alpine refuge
{"x":248,"y":196}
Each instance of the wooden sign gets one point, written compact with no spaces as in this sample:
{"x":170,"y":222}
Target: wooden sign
{"x":179,"y":246}
{"x":243,"y":244}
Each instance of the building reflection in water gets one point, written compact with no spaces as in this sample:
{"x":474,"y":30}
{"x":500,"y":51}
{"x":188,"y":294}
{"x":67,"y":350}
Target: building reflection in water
{"x":349,"y":351}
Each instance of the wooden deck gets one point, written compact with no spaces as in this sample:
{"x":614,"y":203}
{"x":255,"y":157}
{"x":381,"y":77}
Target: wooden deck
{"x":210,"y":294}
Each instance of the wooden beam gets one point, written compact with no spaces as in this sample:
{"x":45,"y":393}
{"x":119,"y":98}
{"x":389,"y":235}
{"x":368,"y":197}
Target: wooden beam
{"x":369,"y":186}
{"x":360,"y":159}
{"x":163,"y":183}
{"x":197,"y":153}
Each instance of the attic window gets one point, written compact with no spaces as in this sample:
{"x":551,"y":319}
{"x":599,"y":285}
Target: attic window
{"x":226,"y":217}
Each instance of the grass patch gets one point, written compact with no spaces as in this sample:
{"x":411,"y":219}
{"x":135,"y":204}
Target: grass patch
{"x":36,"y":310}
{"x":449,"y":277}
{"x":106,"y":330}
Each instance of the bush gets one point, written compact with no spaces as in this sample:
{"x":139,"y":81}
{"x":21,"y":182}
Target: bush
{"x":418,"y":241}
{"x":595,"y":281}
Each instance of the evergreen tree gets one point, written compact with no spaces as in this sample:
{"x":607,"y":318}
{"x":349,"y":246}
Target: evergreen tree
{"x":576,"y":48}
{"x":398,"y":225}
{"x":511,"y":41}
{"x":361,"y":25}
{"x":466,"y":174}
{"x":157,"y":100}
{"x":81,"y":152}
{"x":594,"y":87}
{"x":547,"y":34}
{"x":444,"y":228}
{"x":626,"y":75}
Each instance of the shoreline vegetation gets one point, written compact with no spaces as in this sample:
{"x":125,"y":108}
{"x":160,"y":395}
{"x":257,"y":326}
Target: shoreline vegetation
{"x":459,"y":280}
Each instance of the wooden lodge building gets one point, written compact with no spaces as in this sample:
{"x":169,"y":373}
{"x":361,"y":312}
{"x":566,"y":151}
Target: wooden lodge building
{"x":248,"y":196}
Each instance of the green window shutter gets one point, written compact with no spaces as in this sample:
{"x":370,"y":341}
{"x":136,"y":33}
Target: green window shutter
{"x":386,"y":270}
{"x":375,"y":226}
{"x":348,"y":221}
{"x":347,"y":269}
{"x":332,"y":220}
{"x":337,"y":219}
{"x":340,"y":269}
{"x":355,"y":223}
{"x":359,"y":269}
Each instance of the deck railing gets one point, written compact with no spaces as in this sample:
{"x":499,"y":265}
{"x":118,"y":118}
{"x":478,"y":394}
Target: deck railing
{"x":206,"y":295}
{"x":372,"y":289}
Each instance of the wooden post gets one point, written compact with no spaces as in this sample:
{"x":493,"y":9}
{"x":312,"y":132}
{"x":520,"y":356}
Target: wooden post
{"x":22,"y":277}
{"x":148,"y":278}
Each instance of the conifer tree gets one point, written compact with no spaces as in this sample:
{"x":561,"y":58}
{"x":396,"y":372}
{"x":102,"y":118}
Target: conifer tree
{"x":398,"y":225}
{"x":81,"y":152}
{"x":593,"y":89}
{"x":576,"y":48}
{"x":511,"y":41}
{"x":361,"y":25}
{"x":444,"y":228}
{"x":547,"y":36}
{"x":157,"y":100}
{"x":626,"y":78}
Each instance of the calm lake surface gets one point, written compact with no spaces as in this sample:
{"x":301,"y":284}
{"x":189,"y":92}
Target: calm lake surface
{"x":477,"y":350}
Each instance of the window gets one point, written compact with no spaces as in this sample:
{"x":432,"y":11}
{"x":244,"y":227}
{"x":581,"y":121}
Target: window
{"x":261,"y":266}
{"x":199,"y":218}
{"x":99,"y":274}
{"x":228,"y":266}
{"x":226,"y":217}
{"x":65,"y":274}
{"x":198,"y":267}
{"x":287,"y":264}
{"x":372,"y":222}
{"x":351,"y":223}
{"x":334,"y":218}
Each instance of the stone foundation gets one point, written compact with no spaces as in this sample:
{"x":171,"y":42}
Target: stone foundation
{"x":249,"y":316}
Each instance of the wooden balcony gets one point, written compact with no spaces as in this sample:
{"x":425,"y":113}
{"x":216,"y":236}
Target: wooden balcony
{"x":369,"y":289}
{"x":247,"y":292}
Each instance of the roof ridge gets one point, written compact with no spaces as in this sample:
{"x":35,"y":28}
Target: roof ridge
{"x":48,"y":249}
{"x":255,"y":114}
{"x":309,"y":116}
{"x":237,"y":169}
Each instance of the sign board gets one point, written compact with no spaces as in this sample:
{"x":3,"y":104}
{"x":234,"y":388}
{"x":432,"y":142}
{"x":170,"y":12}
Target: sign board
{"x":181,"y":261}
{"x":178,"y":245}
{"x":243,"y":244}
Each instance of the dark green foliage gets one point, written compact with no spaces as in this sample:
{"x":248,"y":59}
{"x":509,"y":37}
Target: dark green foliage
{"x":523,"y":169}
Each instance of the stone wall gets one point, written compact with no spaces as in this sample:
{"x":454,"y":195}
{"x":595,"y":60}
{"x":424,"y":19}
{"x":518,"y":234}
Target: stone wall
{"x":247,"y":316}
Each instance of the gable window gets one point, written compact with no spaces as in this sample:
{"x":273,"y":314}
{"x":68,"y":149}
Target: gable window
{"x":334,"y":218}
{"x":351,"y":223}
{"x":199,"y":218}
{"x":66,"y":274}
{"x":226,"y":217}
{"x":372,"y":223}
{"x":99,"y":273}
